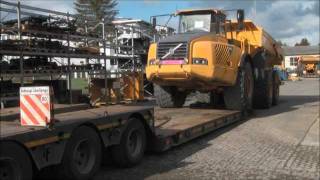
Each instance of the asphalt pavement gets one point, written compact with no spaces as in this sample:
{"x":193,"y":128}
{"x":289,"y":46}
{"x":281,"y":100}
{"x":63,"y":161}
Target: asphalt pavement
{"x":279,"y":143}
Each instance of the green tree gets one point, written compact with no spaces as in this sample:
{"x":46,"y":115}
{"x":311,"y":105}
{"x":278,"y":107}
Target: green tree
{"x":303,"y":42}
{"x":280,"y":43}
{"x":93,"y":11}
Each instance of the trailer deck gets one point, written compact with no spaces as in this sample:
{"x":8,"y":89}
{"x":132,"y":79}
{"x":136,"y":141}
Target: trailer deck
{"x":176,"y":126}
{"x":66,"y":116}
{"x":164,"y":128}
{"x":172,"y":126}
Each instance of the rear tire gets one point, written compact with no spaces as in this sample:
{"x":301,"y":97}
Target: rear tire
{"x":169,"y":96}
{"x":132,"y":145}
{"x":276,"y":88}
{"x":263,"y":92}
{"x":239,"y":96}
{"x":15,"y":163}
{"x":82,"y":157}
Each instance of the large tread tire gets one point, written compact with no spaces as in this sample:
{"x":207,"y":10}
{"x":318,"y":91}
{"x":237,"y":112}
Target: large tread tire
{"x":239,"y":96}
{"x":276,"y":88}
{"x":263,"y":92}
{"x":15,"y":163}
{"x":132,"y":145}
{"x":169,"y":96}
{"x":82,"y":156}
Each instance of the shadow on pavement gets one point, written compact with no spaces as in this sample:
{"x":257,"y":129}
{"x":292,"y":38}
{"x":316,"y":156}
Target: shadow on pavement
{"x":287,"y":104}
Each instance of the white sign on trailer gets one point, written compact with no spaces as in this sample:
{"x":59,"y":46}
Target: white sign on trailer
{"x":35,"y":106}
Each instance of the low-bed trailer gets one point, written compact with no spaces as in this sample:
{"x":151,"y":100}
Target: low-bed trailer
{"x":79,"y":138}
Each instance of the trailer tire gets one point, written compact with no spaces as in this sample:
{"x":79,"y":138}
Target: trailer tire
{"x":132,"y":145}
{"x":263,"y":92}
{"x":169,"y":96}
{"x":15,"y":163}
{"x":239,"y":96}
{"x":276,"y":88}
{"x":82,"y":156}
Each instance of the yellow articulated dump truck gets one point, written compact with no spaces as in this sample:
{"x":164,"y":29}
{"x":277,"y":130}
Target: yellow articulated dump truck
{"x":210,"y":54}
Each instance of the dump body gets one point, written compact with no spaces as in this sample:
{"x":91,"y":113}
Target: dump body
{"x":254,"y":38}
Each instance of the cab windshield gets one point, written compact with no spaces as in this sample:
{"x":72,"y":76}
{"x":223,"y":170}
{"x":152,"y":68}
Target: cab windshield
{"x":195,"y":23}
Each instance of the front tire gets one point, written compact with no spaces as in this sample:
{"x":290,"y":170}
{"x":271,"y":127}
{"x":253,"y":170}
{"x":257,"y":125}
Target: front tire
{"x":169,"y":96}
{"x":239,"y":96}
{"x":263,"y":91}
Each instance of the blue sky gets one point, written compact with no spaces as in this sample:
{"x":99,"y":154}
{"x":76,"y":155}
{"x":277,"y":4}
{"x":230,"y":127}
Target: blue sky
{"x":286,"y":20}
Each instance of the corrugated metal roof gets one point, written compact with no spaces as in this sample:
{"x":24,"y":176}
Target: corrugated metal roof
{"x":301,"y":50}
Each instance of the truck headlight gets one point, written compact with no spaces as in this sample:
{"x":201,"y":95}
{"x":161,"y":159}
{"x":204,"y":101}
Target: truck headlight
{"x":200,"y":61}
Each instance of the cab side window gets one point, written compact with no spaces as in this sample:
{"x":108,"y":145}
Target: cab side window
{"x":218,"y":24}
{"x":221,"y":26}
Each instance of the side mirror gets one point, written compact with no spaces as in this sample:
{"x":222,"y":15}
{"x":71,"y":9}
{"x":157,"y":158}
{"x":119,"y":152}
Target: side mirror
{"x":240,"y":19}
{"x":154,"y":22}
{"x":240,"y":15}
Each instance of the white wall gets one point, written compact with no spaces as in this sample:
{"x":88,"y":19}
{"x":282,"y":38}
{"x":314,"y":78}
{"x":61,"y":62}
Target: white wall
{"x":287,"y":64}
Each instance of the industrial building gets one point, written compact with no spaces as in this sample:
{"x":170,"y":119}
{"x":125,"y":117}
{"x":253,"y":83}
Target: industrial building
{"x":303,"y":60}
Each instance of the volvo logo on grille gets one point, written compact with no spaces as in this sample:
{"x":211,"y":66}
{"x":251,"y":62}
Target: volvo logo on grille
{"x":171,"y":51}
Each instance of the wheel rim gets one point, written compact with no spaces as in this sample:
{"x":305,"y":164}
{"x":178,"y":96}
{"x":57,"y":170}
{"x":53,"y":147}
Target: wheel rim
{"x":9,"y":170}
{"x":84,"y":156}
{"x":134,"y":144}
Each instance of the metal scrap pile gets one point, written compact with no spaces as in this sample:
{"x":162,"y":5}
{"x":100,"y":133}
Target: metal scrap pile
{"x":32,"y":63}
{"x":46,"y":24}
{"x":41,"y":45}
{"x":32,"y":43}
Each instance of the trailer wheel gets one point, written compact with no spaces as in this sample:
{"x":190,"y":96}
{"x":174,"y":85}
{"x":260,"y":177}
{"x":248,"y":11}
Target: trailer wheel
{"x":263,"y":92}
{"x":82,"y":156}
{"x":169,"y":96}
{"x":239,"y":96}
{"x":132,"y":145}
{"x":276,"y":88}
{"x":15,"y":163}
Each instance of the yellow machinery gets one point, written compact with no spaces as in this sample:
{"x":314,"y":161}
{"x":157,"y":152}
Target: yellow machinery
{"x":129,"y":87}
{"x":217,"y":56}
{"x":311,"y":64}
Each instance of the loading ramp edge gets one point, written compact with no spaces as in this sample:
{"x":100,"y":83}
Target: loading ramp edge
{"x":162,"y":143}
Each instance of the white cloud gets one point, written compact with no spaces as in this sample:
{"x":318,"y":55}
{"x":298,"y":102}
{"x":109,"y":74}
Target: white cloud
{"x":56,"y":5}
{"x":290,"y":21}
{"x":286,"y":20}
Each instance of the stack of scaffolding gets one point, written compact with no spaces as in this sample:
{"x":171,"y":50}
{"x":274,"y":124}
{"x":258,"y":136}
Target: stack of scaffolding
{"x":44,"y":47}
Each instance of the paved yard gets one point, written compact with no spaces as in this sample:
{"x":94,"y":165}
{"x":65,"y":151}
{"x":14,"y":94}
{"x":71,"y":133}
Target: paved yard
{"x":280,"y":143}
